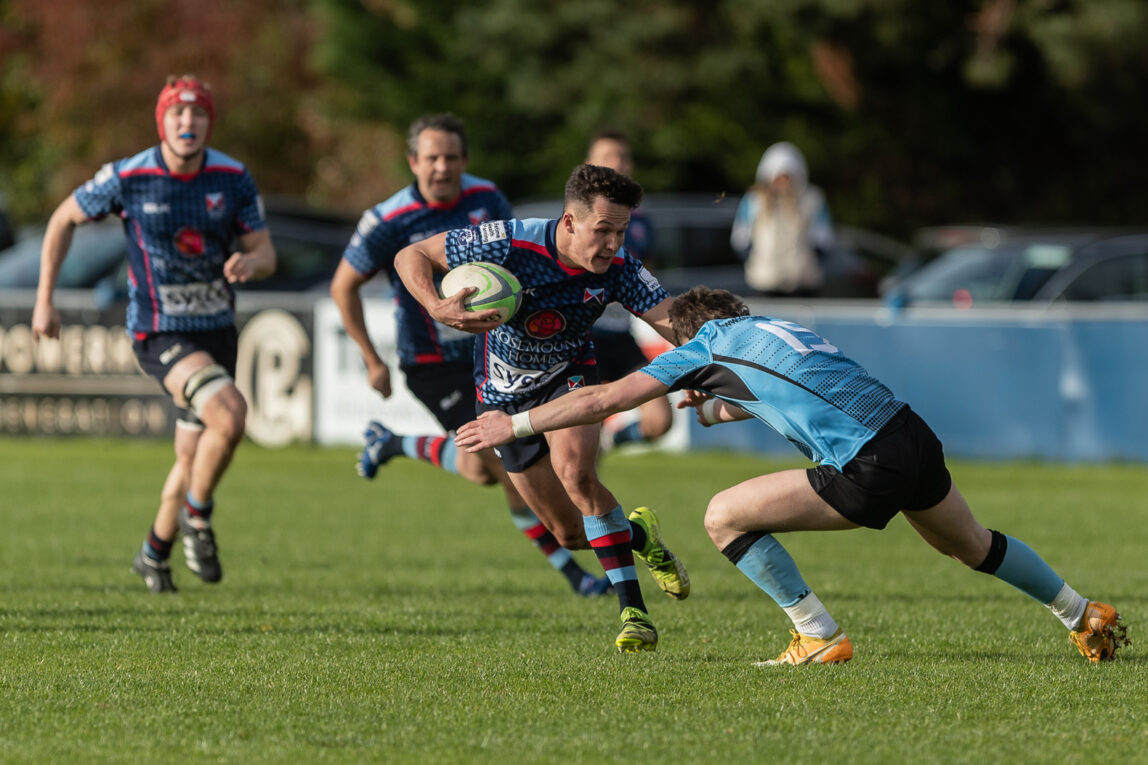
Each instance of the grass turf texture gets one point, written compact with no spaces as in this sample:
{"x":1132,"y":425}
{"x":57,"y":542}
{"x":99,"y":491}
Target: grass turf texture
{"x":407,"y":620}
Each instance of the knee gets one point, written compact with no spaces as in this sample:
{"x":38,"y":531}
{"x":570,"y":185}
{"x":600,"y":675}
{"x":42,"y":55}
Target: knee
{"x":472,"y":468}
{"x":717,"y":522}
{"x":231,"y":424}
{"x":657,"y":419}
{"x":578,"y":480}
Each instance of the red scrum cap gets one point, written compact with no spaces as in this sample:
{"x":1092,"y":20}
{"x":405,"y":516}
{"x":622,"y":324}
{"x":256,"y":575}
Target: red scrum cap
{"x":184,"y":90}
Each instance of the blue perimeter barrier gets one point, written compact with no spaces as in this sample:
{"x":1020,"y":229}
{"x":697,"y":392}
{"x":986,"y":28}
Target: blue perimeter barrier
{"x":1068,"y":384}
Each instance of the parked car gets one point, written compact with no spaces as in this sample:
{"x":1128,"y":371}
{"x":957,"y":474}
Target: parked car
{"x":689,"y":245}
{"x":308,"y":243}
{"x":993,"y":264}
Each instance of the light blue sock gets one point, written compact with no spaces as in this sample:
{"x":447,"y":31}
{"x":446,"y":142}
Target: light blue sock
{"x":770,"y":567}
{"x":629,"y":434}
{"x":1027,"y":571}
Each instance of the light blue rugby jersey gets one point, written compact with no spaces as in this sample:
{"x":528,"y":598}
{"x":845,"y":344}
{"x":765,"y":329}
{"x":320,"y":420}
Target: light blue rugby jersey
{"x":783,"y":374}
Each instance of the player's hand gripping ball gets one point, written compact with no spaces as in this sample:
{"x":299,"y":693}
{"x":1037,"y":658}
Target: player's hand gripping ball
{"x":497,"y":288}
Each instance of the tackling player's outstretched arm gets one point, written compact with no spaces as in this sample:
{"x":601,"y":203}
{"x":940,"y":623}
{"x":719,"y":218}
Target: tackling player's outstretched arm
{"x":416,"y":265}
{"x":581,"y":407}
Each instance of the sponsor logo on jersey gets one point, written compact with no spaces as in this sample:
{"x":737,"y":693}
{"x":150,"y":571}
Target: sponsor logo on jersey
{"x":545,"y":323}
{"x":215,"y":203}
{"x":464,"y":237}
{"x":492,"y":231}
{"x":156,"y":208}
{"x":189,"y":241}
{"x":478,"y":216}
{"x":593,"y":295}
{"x":648,"y":279}
{"x":195,"y":299}
{"x":507,"y":378}
{"x":367,"y":223}
{"x":575,"y":381}
{"x":105,"y":174}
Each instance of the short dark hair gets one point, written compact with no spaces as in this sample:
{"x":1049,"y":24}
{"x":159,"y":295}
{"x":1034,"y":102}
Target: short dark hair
{"x":588,"y":182}
{"x":446,"y":122}
{"x":693,"y":308}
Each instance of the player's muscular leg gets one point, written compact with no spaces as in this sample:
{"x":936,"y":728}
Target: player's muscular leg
{"x":544,"y":493}
{"x":573,"y":452}
{"x":482,"y":468}
{"x":178,"y":478}
{"x":772,"y":503}
{"x":221,"y":407}
{"x":951,"y":529}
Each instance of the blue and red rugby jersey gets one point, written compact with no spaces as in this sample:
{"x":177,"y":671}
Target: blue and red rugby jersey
{"x":408,"y":217}
{"x":180,"y":230}
{"x":551,"y":329}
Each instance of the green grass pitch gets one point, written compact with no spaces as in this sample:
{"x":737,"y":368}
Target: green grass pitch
{"x":407,"y":620}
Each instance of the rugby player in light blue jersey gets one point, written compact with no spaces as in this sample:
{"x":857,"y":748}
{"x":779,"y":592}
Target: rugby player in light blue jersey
{"x":875,"y":458}
{"x":436,"y":361}
{"x":183,"y":206}
{"x":570,"y":269}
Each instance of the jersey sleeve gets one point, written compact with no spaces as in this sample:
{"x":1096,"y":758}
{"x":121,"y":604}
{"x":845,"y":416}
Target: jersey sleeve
{"x":372,"y":246}
{"x":639,"y":290}
{"x":250,"y":217}
{"x":488,"y":242}
{"x":674,"y":367}
{"x":502,"y":208}
{"x":102,"y":195}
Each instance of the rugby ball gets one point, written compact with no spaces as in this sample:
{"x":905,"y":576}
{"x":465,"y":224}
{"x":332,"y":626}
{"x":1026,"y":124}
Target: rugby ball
{"x":497,"y":288}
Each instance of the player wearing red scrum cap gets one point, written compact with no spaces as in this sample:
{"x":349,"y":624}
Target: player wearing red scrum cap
{"x":195,"y":226}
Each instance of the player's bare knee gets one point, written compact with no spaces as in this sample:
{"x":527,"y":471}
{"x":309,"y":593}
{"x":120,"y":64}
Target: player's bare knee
{"x":579,"y":481}
{"x":716,"y":520}
{"x":718,"y":515}
{"x":472,"y":468}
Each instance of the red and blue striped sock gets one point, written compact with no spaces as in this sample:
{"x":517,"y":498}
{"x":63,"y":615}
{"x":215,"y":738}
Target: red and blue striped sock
{"x":197,"y":509}
{"x":609,"y":536}
{"x":439,"y":451}
{"x":559,"y":557}
{"x":156,"y":547}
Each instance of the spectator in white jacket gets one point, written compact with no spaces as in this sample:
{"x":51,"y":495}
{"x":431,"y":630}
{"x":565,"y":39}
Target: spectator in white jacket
{"x":781,"y":224}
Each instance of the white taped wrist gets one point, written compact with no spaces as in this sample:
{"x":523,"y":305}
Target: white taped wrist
{"x":520,"y":424}
{"x":709,"y":412}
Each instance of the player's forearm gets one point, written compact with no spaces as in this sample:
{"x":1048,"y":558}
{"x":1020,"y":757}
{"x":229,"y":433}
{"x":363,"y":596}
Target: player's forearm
{"x":416,"y":268}
{"x":259,"y":252}
{"x":263,"y":260}
{"x":57,"y":240}
{"x":350,"y":305}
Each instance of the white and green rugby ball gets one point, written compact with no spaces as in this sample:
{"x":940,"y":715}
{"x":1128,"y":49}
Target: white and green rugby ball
{"x":496,"y":288}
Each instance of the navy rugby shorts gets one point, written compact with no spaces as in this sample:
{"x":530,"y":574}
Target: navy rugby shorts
{"x":521,"y":453}
{"x":446,"y":389}
{"x":902,"y":468}
{"x":158,"y":353}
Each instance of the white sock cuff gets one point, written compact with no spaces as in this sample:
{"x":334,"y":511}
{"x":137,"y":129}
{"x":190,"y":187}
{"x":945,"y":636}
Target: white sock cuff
{"x":1068,"y":606}
{"x":811,"y":618}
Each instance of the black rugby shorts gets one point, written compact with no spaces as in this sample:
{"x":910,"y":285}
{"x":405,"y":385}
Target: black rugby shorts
{"x":901,"y":468}
{"x":521,"y":453}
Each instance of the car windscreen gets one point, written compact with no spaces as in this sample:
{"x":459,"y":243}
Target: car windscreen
{"x":980,"y":274}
